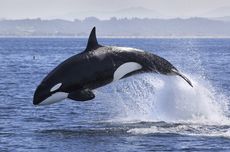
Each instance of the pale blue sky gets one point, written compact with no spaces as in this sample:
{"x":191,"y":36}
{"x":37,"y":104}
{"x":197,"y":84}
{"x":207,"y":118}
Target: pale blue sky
{"x":14,"y":9}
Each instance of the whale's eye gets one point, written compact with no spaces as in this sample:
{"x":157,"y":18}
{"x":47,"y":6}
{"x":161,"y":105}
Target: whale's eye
{"x":54,"y":88}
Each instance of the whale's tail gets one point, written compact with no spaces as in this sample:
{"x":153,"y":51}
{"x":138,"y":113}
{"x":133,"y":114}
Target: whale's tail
{"x":174,"y":71}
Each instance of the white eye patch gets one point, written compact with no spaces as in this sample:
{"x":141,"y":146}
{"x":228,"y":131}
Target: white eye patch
{"x":54,"y":88}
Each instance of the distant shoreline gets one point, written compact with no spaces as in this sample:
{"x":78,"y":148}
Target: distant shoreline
{"x":117,"y":28}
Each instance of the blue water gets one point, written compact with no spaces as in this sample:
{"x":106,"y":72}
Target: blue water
{"x":145,"y":112}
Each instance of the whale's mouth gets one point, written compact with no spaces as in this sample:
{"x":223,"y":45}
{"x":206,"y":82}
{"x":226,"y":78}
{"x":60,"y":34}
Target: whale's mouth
{"x":56,"y":97}
{"x":43,"y":96}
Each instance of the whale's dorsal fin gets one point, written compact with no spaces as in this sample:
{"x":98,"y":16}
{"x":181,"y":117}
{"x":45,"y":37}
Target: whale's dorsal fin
{"x":92,"y":41}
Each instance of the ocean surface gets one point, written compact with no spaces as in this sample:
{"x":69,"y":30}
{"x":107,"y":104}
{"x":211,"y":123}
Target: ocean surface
{"x":146,"y":112}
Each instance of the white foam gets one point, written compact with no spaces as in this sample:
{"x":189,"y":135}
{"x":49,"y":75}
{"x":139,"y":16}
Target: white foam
{"x":151,"y":97}
{"x":191,"y":130}
{"x":197,"y":111}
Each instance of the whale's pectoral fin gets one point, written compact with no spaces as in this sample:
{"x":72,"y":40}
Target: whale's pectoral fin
{"x":81,"y":95}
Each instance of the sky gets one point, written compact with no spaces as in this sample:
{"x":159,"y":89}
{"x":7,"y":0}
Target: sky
{"x":48,"y":9}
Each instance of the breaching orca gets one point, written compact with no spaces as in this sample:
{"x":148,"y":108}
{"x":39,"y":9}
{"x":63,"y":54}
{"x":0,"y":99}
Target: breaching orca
{"x":96,"y":66}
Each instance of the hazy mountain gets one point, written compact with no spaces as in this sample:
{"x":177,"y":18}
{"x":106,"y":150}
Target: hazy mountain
{"x":219,"y":12}
{"x":136,"y":27}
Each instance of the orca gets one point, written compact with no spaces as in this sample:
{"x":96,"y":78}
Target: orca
{"x":96,"y":66}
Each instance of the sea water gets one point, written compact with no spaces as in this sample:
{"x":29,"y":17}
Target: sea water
{"x":144,"y":112}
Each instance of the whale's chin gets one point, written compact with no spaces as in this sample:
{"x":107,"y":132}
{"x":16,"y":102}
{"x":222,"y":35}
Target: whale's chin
{"x":56,"y":97}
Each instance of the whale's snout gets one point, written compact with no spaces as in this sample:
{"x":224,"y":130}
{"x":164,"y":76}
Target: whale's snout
{"x":39,"y":94}
{"x":44,"y":96}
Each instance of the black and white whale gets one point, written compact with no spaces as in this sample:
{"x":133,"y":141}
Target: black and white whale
{"x":96,"y":66}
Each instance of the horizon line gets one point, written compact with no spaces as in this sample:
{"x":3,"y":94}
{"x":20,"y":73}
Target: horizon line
{"x":120,"y":37}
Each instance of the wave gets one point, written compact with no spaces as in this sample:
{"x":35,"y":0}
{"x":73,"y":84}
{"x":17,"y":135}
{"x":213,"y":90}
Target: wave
{"x":185,"y":129}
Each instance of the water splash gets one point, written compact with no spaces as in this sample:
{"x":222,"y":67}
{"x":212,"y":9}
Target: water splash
{"x":151,"y":97}
{"x":197,"y":111}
